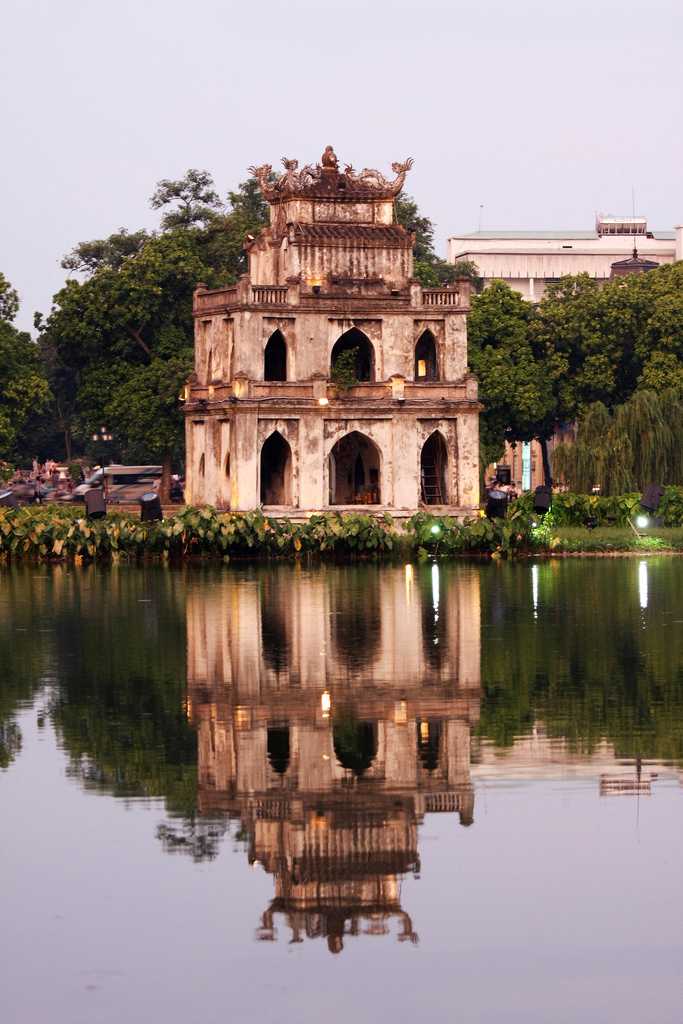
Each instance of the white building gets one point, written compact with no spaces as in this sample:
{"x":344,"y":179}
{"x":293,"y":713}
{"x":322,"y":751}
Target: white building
{"x":528,"y":260}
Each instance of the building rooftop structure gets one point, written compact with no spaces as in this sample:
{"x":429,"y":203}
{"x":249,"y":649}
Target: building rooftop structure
{"x":528,"y":260}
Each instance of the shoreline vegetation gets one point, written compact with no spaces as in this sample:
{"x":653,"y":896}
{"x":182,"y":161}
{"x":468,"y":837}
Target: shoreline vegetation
{"x":56,"y":533}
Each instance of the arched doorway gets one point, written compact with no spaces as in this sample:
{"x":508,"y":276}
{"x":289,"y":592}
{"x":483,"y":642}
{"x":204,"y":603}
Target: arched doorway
{"x":434,"y":470}
{"x":276,"y":471}
{"x":426,"y":363}
{"x":354,"y":467}
{"x":364,"y":359}
{"x":275,"y":357}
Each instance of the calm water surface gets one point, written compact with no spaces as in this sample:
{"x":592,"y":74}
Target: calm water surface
{"x":290,"y":795}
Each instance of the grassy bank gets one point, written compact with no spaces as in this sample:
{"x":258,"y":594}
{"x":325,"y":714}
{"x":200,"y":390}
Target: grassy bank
{"x":59,"y":533}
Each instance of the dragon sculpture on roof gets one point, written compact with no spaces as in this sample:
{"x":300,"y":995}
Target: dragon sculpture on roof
{"x":297,"y":181}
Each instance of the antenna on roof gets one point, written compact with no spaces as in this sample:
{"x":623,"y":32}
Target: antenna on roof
{"x":481,"y":210}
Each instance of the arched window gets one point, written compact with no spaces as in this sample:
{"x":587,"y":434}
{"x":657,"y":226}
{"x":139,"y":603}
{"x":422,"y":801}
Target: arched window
{"x":276,"y":471}
{"x":426,"y":364}
{"x":355,"y":471}
{"x":355,"y":744}
{"x":275,"y":357}
{"x":428,"y":743}
{"x":278,"y":749}
{"x":202,"y":465}
{"x":364,"y":359}
{"x":434,"y":470}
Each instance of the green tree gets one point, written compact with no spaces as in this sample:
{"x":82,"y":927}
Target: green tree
{"x":126,"y":336}
{"x":119,"y":342}
{"x":24,"y":388}
{"x":515,"y":376}
{"x":613,"y":338}
{"x":193,"y":198}
{"x":87,"y":257}
{"x":607,"y":343}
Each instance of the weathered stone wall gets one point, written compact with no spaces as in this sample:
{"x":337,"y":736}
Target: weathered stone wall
{"x":310,"y":338}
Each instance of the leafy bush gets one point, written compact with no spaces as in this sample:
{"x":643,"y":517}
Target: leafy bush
{"x":443,"y":535}
{"x":351,"y":533}
{"x":57,"y":532}
{"x":571,"y":509}
{"x":670,"y":509}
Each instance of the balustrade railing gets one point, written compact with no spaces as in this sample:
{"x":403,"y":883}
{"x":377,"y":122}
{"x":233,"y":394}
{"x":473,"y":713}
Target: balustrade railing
{"x":269,"y":295}
{"x":435,"y":802}
{"x":440,"y":297}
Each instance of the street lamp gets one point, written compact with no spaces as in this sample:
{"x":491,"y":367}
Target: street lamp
{"x":102,"y":436}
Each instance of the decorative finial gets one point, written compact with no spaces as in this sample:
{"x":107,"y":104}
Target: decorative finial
{"x":329,"y":159}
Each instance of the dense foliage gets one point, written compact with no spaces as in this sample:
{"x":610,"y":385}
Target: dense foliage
{"x":570,"y":509}
{"x":23,"y":383}
{"x":118,"y":343}
{"x":58,"y":532}
{"x":637,"y":443}
{"x":618,"y":343}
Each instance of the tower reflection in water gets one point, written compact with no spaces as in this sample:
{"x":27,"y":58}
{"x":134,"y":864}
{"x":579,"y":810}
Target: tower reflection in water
{"x":332,"y":714}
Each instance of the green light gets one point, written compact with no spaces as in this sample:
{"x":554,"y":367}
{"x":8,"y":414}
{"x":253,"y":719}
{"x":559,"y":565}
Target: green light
{"x":436,"y":529}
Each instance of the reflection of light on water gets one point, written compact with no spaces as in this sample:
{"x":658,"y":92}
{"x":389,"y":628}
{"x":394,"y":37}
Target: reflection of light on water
{"x":409,"y":583}
{"x":435,"y":596}
{"x":642,"y":583}
{"x":534,"y":589}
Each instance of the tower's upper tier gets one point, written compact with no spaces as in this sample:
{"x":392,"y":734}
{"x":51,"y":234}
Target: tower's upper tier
{"x":329,"y":224}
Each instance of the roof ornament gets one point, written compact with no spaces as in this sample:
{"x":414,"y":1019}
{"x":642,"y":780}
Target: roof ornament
{"x":311,"y":179}
{"x":329,"y":159}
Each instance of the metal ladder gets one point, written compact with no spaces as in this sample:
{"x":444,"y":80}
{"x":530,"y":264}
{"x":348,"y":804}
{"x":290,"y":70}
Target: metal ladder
{"x":431,"y":486}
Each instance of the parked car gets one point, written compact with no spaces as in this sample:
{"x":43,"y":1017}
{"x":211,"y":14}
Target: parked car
{"x":125,"y":484}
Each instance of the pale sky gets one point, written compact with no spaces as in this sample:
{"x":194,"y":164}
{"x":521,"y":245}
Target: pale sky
{"x":543,"y":112}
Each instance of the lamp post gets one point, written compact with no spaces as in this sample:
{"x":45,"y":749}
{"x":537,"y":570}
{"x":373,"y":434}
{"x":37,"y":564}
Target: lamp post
{"x":102,"y":436}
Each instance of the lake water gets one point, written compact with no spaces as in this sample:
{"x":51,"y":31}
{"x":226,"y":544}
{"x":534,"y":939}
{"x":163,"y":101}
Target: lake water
{"x":342,"y":794}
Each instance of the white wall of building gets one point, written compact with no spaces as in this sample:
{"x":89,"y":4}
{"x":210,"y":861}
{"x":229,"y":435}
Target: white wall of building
{"x":527,"y":261}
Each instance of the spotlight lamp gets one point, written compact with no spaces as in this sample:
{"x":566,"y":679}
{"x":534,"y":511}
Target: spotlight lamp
{"x":543,"y":499}
{"x":652,"y":495}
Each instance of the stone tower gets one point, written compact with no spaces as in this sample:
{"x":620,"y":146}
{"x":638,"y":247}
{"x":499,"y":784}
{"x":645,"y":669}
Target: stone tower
{"x":328,"y":377}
